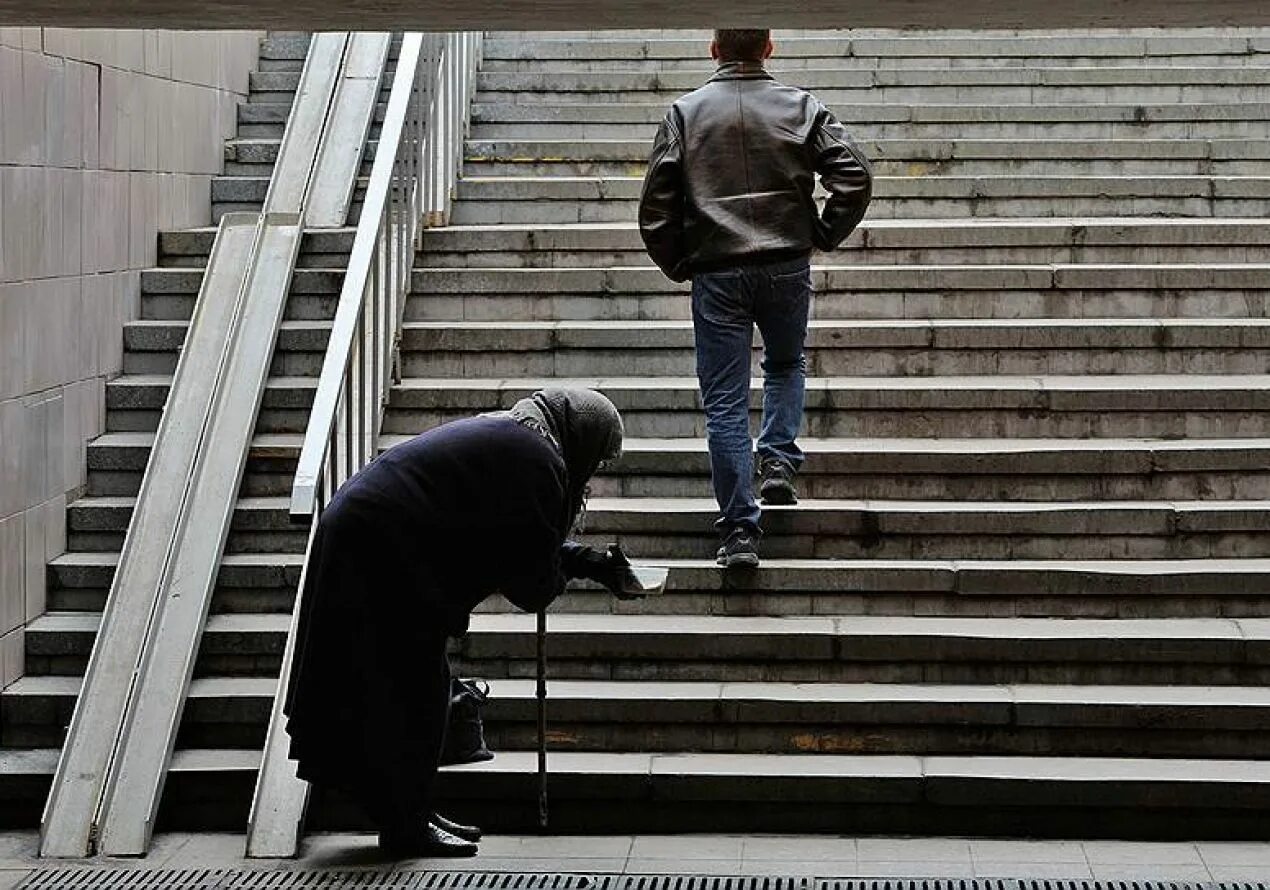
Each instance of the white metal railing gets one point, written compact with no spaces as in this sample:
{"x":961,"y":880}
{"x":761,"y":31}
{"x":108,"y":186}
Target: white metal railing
{"x":411,"y":186}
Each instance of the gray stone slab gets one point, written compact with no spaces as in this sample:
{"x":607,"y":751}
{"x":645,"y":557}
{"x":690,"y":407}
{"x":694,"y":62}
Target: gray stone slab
{"x":788,"y":777}
{"x":1147,"y":857}
{"x":1090,"y":782}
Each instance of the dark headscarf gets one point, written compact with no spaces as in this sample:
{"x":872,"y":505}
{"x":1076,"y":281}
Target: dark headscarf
{"x":583,"y":425}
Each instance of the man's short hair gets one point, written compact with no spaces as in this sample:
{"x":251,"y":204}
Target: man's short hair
{"x":742,"y":44}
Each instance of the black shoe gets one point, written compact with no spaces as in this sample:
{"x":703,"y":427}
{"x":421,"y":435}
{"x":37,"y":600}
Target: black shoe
{"x":739,"y":550}
{"x":424,"y":842}
{"x":777,"y":486}
{"x":468,"y":833}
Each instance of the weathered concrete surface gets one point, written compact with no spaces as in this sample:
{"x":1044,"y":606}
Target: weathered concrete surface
{"x":548,"y":14}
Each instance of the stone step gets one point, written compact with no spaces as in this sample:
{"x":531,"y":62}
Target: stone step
{"x":576,"y":192}
{"x":319,"y":248}
{"x":247,"y":583}
{"x":844,"y":48}
{"x":924,"y":469}
{"x":826,"y":529}
{"x":231,"y":712}
{"x":134,"y":403}
{"x":894,"y":241}
{"x":1098,"y":241}
{"x":158,"y":281}
{"x":933,"y":470}
{"x":294,"y":46}
{"x":860,"y":103}
{"x":265,"y":125}
{"x":252,"y":151}
{"x":230,"y":190}
{"x":829,"y":649}
{"x":255,"y":583}
{"x":525,"y":199}
{"x":885,"y":167}
{"x":258,"y":525}
{"x":1052,"y":234}
{"x":1174,"y":83}
{"x":289,"y":81}
{"x":844,"y":33}
{"x":950,"y":302}
{"x":764,"y":718}
{"x":1122,"y":406}
{"x":861,"y":348}
{"x":153,"y":346}
{"x":942,"y":147}
{"x":252,"y":114}
{"x":256,"y":113}
{"x":255,"y":156}
{"x":241,"y":649}
{"x":702,"y":67}
{"x":116,"y":462}
{"x":860,"y":116}
{"x":203,"y":789}
{"x":654,"y":528}
{"x":296,"y":65}
{"x":179,"y":305}
{"x":1080,"y":130}
{"x":1164,"y":798}
{"x":824,"y":278}
{"x":245,"y":194}
{"x":870,"y":649}
{"x":259,"y":169}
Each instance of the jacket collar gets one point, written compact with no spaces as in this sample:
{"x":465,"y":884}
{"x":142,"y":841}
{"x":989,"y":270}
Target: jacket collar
{"x":741,"y":71}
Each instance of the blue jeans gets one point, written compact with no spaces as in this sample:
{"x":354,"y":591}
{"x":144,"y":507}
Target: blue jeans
{"x":726,"y":305}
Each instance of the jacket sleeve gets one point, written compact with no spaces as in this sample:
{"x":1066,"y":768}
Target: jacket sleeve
{"x":535,"y":562}
{"x":539,"y":577}
{"x":576,"y":559}
{"x":661,"y":204}
{"x":846,"y":175}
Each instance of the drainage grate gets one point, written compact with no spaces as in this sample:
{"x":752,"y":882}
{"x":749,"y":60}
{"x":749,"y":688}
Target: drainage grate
{"x":284,"y":879}
{"x":1022,"y":884}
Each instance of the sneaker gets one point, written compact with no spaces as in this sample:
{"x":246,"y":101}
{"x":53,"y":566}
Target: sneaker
{"x":777,"y":486}
{"x":739,"y":549}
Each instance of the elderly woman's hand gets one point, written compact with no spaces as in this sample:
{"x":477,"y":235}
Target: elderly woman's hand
{"x":607,"y":567}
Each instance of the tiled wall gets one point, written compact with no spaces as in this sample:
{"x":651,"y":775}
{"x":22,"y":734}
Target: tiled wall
{"x":106,"y":137}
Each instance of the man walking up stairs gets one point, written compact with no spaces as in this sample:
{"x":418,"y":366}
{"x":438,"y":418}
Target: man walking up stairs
{"x":728,"y":201}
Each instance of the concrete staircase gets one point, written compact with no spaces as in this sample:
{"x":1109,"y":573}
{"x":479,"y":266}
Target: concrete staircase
{"x":1025,"y":591}
{"x":1036,"y":455}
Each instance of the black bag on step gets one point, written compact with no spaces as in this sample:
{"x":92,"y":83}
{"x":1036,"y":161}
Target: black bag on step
{"x":465,"y":734}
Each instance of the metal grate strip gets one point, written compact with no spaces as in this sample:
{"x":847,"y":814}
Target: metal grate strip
{"x":702,"y":882}
{"x":284,"y":879}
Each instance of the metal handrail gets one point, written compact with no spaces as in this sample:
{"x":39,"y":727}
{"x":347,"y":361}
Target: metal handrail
{"x":411,"y":185}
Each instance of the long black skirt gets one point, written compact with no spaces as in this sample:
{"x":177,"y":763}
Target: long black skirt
{"x":370,"y":687}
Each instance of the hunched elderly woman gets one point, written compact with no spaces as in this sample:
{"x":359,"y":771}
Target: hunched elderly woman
{"x":405,"y":551}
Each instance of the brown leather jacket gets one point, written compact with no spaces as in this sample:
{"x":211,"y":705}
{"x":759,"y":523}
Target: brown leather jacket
{"x":732,"y":176}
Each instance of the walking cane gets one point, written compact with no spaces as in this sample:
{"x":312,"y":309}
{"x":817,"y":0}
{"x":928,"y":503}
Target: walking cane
{"x":542,"y":719}
{"x":635,"y":582}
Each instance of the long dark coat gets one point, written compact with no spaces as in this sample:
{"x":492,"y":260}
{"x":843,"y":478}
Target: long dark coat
{"x":402,"y":554}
